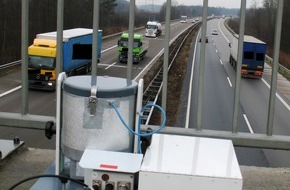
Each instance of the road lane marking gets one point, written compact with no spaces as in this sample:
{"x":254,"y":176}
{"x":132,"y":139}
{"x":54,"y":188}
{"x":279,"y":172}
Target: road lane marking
{"x":221,"y":62}
{"x":109,"y":49}
{"x":106,"y":65}
{"x":278,"y":96}
{"x":222,"y":32}
{"x":229,"y":81}
{"x":248,"y":124}
{"x":216,"y":50}
{"x":111,"y":65}
{"x":10,"y":91}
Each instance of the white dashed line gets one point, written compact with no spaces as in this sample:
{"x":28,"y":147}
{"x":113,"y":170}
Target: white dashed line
{"x":222,"y":32}
{"x":109,"y":49}
{"x":248,"y":124}
{"x":229,"y":81}
{"x":110,"y":65}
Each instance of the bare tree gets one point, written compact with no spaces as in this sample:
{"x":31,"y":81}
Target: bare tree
{"x":285,"y":43}
{"x":10,"y":34}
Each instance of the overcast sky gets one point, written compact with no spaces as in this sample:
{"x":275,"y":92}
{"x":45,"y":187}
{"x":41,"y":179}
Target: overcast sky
{"x":211,"y":3}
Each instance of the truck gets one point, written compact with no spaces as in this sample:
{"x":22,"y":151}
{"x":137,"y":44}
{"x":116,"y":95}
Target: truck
{"x":140,"y":47}
{"x":153,"y":29}
{"x":253,"y":58}
{"x":183,"y":19}
{"x":77,"y":56}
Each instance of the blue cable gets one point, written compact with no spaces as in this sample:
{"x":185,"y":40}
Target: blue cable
{"x":139,"y":134}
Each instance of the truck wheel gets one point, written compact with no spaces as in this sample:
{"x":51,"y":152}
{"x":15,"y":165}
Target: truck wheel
{"x":235,"y":65}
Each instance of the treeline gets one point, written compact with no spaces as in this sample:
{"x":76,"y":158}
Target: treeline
{"x":114,"y":17}
{"x":261,"y":23}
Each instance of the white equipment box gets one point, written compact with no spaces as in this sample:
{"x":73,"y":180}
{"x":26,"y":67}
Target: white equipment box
{"x":110,"y":170}
{"x":179,"y":162}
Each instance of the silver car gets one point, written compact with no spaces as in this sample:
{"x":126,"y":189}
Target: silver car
{"x":214,"y":32}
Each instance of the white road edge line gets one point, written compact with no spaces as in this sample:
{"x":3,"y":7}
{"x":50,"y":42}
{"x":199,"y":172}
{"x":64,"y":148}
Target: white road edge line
{"x":221,"y":62}
{"x":222,"y":32}
{"x":278,"y":96}
{"x":248,"y":124}
{"x":229,"y":80}
{"x":10,"y":91}
{"x":190,"y":87}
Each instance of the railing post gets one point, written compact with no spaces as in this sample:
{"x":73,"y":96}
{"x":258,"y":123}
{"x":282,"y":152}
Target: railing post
{"x":59,"y":60}
{"x":239,"y":66}
{"x":275,"y":68}
{"x":95,"y":42}
{"x":24,"y":56}
{"x":166,"y":56}
{"x":201,"y":66}
{"x":131,"y":39}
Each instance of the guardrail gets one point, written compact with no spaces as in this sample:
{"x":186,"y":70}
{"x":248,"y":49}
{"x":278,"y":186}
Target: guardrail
{"x":281,"y":69}
{"x":11,"y":64}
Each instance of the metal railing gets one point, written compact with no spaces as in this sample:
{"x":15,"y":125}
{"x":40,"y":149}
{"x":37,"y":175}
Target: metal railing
{"x":267,"y":140}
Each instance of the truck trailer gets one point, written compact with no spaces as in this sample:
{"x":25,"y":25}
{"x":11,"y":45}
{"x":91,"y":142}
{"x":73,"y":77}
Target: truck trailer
{"x":253,"y":58}
{"x":140,"y":47}
{"x":153,"y":29}
{"x":77,"y":55}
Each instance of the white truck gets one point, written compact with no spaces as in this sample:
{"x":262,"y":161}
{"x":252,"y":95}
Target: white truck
{"x":183,"y":19}
{"x":153,"y":29}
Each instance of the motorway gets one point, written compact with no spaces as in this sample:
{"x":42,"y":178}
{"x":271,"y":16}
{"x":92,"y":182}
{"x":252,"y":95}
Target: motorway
{"x":218,"y":101}
{"x":218,"y":96}
{"x":43,"y":103}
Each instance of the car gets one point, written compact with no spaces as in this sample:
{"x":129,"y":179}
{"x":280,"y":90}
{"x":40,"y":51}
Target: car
{"x":206,"y":39}
{"x":214,"y":32}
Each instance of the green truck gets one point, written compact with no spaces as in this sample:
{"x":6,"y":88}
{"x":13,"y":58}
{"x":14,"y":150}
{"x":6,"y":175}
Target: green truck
{"x":140,"y":48}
